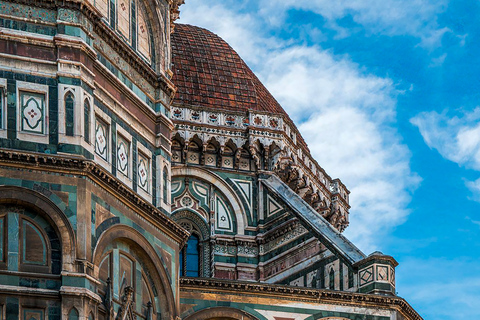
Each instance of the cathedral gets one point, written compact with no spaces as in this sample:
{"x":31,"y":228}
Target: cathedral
{"x":147,"y":173}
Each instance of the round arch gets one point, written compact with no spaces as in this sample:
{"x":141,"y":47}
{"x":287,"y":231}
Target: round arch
{"x":187,"y":214}
{"x":136,"y":239}
{"x":54,"y":215}
{"x":221,"y":313}
{"x":210,"y":177}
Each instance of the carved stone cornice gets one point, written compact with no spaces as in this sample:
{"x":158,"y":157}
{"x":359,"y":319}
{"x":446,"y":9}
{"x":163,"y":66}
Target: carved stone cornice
{"x":278,"y":231}
{"x":80,"y":166}
{"x":298,"y":294}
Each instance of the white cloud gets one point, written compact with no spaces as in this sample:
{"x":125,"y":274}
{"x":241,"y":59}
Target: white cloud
{"x":474,"y":187}
{"x":347,"y":120}
{"x":416,"y":18}
{"x":345,"y":114}
{"x":455,"y":138}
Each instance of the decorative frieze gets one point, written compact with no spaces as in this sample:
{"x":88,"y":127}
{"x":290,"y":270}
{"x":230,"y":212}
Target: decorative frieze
{"x":283,"y":239}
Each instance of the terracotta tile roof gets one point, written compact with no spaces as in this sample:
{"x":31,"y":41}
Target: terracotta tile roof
{"x":209,"y":73}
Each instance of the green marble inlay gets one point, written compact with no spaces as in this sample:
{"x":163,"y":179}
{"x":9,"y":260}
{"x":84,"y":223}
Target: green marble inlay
{"x":12,"y":310}
{"x":13,"y":232}
{"x":27,"y":27}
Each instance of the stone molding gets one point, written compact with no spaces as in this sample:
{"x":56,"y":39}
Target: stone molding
{"x":88,"y":168}
{"x":24,"y":291}
{"x":298,"y":294}
{"x":84,"y":292}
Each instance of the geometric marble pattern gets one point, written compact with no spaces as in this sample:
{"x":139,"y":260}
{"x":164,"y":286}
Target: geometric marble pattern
{"x":245,"y":188}
{"x":101,"y":139}
{"x":272,"y":206}
{"x":123,"y":159}
{"x":143,"y":171}
{"x":223,"y":221}
{"x":366,"y":275}
{"x":32,"y":112}
{"x":382,"y":273}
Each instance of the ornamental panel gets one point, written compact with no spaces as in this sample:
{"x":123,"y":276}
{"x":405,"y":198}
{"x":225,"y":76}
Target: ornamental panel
{"x":101,"y":139}
{"x":32,"y":112}
{"x":123,"y":155}
{"x":143,"y":171}
{"x":366,"y":276}
{"x":223,"y":220}
{"x":382,"y":273}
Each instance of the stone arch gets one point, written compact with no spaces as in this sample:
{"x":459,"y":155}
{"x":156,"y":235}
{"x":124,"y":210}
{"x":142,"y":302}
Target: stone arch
{"x":202,"y":229}
{"x":220,"y":184}
{"x":221,"y":313}
{"x":195,"y":218}
{"x":73,"y":314}
{"x":69,"y":106}
{"x":150,"y":256}
{"x":40,"y":203}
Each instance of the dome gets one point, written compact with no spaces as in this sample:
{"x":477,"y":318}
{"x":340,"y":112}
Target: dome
{"x":209,"y":73}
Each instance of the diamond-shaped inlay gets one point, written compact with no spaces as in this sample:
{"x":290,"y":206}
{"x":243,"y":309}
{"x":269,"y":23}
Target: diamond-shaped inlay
{"x":101,"y":140}
{"x":143,"y":172}
{"x":366,"y":276}
{"x":382,"y":273}
{"x":122,"y":156}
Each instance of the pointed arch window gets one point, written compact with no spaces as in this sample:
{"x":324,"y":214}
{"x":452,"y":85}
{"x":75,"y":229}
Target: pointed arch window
{"x":86,"y":121}
{"x":190,"y":257}
{"x":331,"y":280}
{"x":69,"y":114}
{"x":165,"y":185}
{"x":73,"y":314}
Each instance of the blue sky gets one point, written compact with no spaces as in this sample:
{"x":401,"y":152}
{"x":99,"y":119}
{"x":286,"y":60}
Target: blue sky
{"x":386,"y":93}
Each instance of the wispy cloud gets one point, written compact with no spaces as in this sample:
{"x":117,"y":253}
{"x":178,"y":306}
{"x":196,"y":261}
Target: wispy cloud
{"x":346,"y":115}
{"x":456,"y":285}
{"x":456,"y":138}
{"x":474,"y":187}
{"x":417,"y":18}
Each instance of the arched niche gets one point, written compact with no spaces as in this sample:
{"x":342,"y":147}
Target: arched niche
{"x":37,"y":202}
{"x":196,"y":225}
{"x":141,"y":251}
{"x":221,"y":313}
{"x":222,"y":186}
